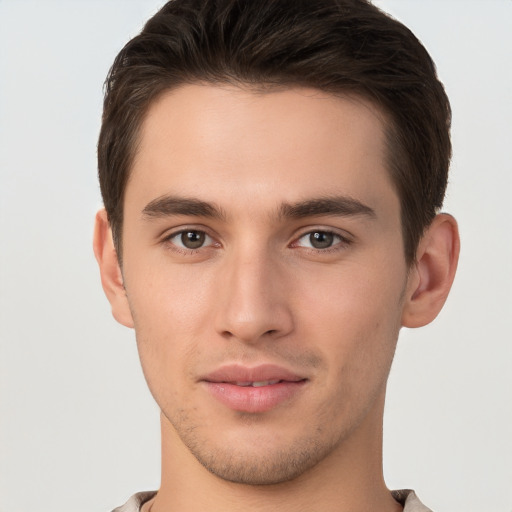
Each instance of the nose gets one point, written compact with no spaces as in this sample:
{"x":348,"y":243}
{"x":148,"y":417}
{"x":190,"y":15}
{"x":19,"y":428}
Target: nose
{"x":253,"y":302}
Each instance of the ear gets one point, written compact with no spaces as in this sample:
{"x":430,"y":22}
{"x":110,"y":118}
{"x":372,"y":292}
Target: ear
{"x":432,"y":275}
{"x":110,"y":271}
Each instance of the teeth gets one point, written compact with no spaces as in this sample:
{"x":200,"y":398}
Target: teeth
{"x":264,"y":383}
{"x":257,"y":384}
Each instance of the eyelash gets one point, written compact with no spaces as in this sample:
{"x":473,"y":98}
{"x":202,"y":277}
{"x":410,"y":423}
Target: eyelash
{"x":340,"y":242}
{"x":168,"y":240}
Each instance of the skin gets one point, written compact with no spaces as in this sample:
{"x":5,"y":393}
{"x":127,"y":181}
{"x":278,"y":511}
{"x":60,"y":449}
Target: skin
{"x":258,"y":291}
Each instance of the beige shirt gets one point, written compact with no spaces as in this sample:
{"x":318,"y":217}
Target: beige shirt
{"x":406,"y":497}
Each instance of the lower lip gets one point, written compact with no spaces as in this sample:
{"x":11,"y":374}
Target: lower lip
{"x":254,"y":399}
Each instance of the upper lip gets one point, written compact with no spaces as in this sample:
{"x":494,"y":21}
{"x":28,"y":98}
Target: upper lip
{"x":239,"y":373}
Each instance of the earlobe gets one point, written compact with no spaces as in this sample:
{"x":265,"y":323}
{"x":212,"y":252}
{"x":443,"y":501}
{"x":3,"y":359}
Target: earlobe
{"x":432,"y":276}
{"x":110,"y":271}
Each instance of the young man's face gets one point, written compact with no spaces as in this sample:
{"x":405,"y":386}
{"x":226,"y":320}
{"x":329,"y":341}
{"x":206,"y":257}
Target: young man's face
{"x":262,"y":243}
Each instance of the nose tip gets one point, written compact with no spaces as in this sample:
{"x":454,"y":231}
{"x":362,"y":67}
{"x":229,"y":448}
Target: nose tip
{"x":253,"y":305}
{"x":250,"y":331}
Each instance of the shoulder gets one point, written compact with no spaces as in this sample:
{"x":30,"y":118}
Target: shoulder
{"x":135,"y":502}
{"x":405,"y":497}
{"x":410,"y":501}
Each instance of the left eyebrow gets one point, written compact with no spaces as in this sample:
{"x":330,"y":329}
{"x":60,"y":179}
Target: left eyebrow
{"x":336,"y":205}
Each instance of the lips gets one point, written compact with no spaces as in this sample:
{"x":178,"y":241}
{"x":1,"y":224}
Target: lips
{"x":253,"y":390}
{"x":258,"y":384}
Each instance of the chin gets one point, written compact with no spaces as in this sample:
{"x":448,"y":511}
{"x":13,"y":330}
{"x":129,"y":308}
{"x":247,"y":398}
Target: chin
{"x":263,"y":459}
{"x":264,"y":469}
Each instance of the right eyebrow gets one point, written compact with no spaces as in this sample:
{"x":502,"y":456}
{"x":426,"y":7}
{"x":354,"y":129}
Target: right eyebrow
{"x":169,"y":205}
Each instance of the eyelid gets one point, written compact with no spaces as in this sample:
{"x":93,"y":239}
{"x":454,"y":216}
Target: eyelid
{"x":176,"y":236}
{"x":168,"y":236}
{"x":176,"y":230}
{"x":344,"y":238}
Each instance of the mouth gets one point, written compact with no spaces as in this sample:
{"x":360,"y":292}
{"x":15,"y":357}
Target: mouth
{"x":254,"y":390}
{"x":257,"y":384}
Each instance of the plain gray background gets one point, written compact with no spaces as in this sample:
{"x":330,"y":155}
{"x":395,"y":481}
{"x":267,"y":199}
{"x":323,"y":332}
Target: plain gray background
{"x":78,"y":429}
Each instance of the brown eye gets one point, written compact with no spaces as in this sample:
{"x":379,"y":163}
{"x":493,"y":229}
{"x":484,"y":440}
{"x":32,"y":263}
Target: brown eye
{"x":321,"y":239}
{"x":192,"y":239}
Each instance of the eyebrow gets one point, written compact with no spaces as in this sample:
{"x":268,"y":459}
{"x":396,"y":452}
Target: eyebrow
{"x":166,"y":206}
{"x":169,"y":205}
{"x":335,"y":205}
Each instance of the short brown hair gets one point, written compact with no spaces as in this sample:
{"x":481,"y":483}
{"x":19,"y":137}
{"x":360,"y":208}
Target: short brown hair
{"x":336,"y":46}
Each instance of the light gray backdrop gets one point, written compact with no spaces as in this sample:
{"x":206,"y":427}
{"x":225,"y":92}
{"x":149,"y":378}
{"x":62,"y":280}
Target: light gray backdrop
{"x":78,"y":429}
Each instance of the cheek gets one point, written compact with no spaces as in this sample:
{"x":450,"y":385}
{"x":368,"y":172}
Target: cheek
{"x":357,"y":296}
{"x":170,"y":314}
{"x":355,"y":317}
{"x":168,"y":298}
{"x":357,"y":339}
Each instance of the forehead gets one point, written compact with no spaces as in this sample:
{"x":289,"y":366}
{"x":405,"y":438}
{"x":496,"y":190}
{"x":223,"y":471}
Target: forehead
{"x":220,"y":143}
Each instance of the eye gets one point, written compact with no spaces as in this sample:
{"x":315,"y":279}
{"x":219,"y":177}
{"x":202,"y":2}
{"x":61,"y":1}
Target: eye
{"x":320,"y":240}
{"x":190,"y":239}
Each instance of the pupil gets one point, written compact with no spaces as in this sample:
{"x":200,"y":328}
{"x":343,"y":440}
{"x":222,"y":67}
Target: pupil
{"x":192,"y":239}
{"x":321,"y":239}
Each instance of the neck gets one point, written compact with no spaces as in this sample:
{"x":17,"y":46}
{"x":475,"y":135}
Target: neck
{"x":349,"y":479}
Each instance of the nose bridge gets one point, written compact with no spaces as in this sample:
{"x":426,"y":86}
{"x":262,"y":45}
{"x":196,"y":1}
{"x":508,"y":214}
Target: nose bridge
{"x":252,"y":302}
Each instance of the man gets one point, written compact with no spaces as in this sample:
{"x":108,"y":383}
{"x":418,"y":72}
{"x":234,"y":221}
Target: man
{"x":272,"y":173}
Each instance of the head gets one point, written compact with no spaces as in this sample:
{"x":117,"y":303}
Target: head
{"x":271,"y":171}
{"x":338,"y":47}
